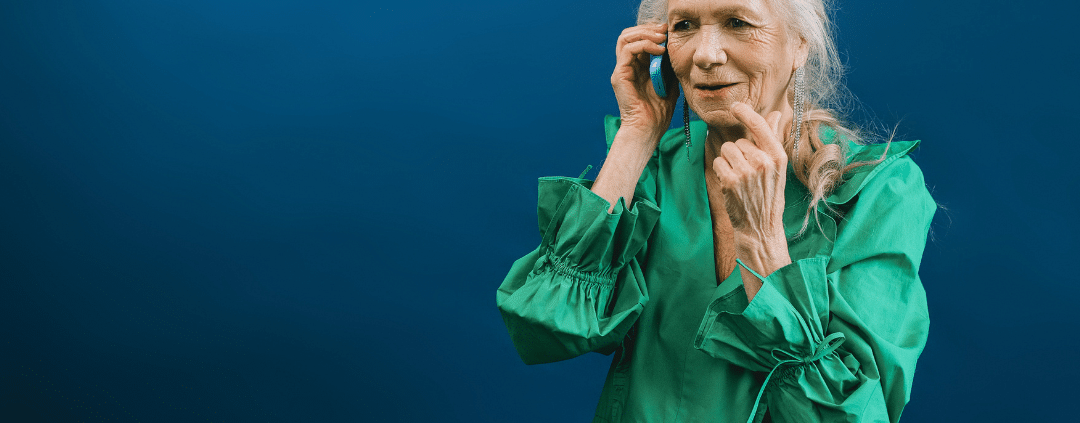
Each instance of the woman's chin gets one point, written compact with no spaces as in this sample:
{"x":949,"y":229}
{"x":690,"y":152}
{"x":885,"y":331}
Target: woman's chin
{"x":719,"y":118}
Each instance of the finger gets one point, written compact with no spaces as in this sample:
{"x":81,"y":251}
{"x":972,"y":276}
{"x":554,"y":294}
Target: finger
{"x":644,"y":46}
{"x":759,"y":128}
{"x":751,"y":153}
{"x":774,"y":122}
{"x":723,"y":170}
{"x":756,"y":159}
{"x":642,"y":32}
{"x":732,"y":152}
{"x":637,"y":51}
{"x":762,"y":132}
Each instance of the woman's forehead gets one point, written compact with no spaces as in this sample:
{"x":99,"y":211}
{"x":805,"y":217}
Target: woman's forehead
{"x":711,"y":7}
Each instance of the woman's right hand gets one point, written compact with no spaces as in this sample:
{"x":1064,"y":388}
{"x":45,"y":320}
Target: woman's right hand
{"x":645,"y":115}
{"x":639,"y":106}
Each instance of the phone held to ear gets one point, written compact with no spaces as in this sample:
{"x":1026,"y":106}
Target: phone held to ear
{"x":661,"y":72}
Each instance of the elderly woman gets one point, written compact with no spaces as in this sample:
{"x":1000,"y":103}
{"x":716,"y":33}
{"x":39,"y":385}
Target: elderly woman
{"x":759,"y":265}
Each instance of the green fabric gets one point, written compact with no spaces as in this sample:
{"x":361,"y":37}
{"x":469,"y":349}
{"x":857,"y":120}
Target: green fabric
{"x":837,"y":332}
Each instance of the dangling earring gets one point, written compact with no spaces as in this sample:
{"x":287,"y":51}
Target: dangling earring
{"x":686,"y":126}
{"x":799,"y":106}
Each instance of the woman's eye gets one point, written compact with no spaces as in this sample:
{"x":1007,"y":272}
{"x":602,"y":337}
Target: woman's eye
{"x":681,"y":26}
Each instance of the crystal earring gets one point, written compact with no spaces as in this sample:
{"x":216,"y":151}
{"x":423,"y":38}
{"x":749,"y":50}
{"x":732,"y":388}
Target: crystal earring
{"x":686,"y":126}
{"x":799,"y":108}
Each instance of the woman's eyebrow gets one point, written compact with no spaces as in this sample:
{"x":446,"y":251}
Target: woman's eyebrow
{"x":737,"y":10}
{"x":676,"y":13}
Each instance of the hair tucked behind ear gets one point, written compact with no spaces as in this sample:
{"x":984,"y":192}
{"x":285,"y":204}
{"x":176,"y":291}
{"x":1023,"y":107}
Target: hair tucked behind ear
{"x":821,"y":167}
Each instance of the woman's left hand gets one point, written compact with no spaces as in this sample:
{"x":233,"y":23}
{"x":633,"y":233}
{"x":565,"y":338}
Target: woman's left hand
{"x":753,"y":173}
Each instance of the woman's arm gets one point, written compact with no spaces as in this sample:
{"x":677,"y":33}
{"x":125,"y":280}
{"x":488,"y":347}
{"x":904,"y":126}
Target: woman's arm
{"x":583,"y":289}
{"x":839,"y":335}
{"x":645,"y":116}
{"x":753,"y":174}
{"x":629,"y":153}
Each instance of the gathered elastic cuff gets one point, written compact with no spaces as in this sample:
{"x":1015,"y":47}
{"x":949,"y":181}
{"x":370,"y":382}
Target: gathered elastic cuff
{"x":569,"y":270}
{"x":554,"y":311}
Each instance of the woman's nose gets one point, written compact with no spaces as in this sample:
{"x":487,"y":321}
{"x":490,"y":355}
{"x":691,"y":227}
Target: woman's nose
{"x":710,"y":51}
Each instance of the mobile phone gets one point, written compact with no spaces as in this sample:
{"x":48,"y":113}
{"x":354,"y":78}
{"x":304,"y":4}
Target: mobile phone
{"x":661,"y":72}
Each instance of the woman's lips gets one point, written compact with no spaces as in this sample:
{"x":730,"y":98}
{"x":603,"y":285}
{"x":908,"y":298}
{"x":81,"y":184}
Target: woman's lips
{"x":711,"y":90}
{"x":714,"y":86}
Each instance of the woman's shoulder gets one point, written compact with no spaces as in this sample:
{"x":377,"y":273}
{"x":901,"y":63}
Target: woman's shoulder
{"x":889,"y":162}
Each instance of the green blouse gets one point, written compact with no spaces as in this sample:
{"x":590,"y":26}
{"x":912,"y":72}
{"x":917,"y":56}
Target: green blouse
{"x":837,"y":332}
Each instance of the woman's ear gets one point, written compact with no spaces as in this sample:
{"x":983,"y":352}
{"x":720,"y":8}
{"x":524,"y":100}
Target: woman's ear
{"x":802,"y":52}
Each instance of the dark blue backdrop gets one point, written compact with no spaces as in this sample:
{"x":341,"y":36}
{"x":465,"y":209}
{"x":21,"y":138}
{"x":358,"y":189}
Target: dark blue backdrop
{"x":276,"y":210}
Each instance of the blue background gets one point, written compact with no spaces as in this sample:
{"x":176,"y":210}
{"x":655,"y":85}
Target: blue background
{"x":286,"y":211}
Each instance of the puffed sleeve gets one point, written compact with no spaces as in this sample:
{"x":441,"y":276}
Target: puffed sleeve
{"x":582,"y":289}
{"x":838,"y":335}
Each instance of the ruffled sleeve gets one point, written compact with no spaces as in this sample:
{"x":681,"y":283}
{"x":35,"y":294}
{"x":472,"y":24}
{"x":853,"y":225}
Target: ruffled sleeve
{"x":582,"y":289}
{"x":838,"y":336}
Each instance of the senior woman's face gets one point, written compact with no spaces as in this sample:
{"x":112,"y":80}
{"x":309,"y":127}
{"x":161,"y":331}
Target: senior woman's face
{"x":724,"y":51}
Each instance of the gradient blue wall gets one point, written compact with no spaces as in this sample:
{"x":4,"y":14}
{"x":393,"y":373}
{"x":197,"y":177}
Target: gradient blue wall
{"x":234,"y":210}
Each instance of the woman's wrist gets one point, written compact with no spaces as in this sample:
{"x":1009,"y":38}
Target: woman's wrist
{"x":645,"y":138}
{"x":764,"y":253}
{"x":629,"y":153}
